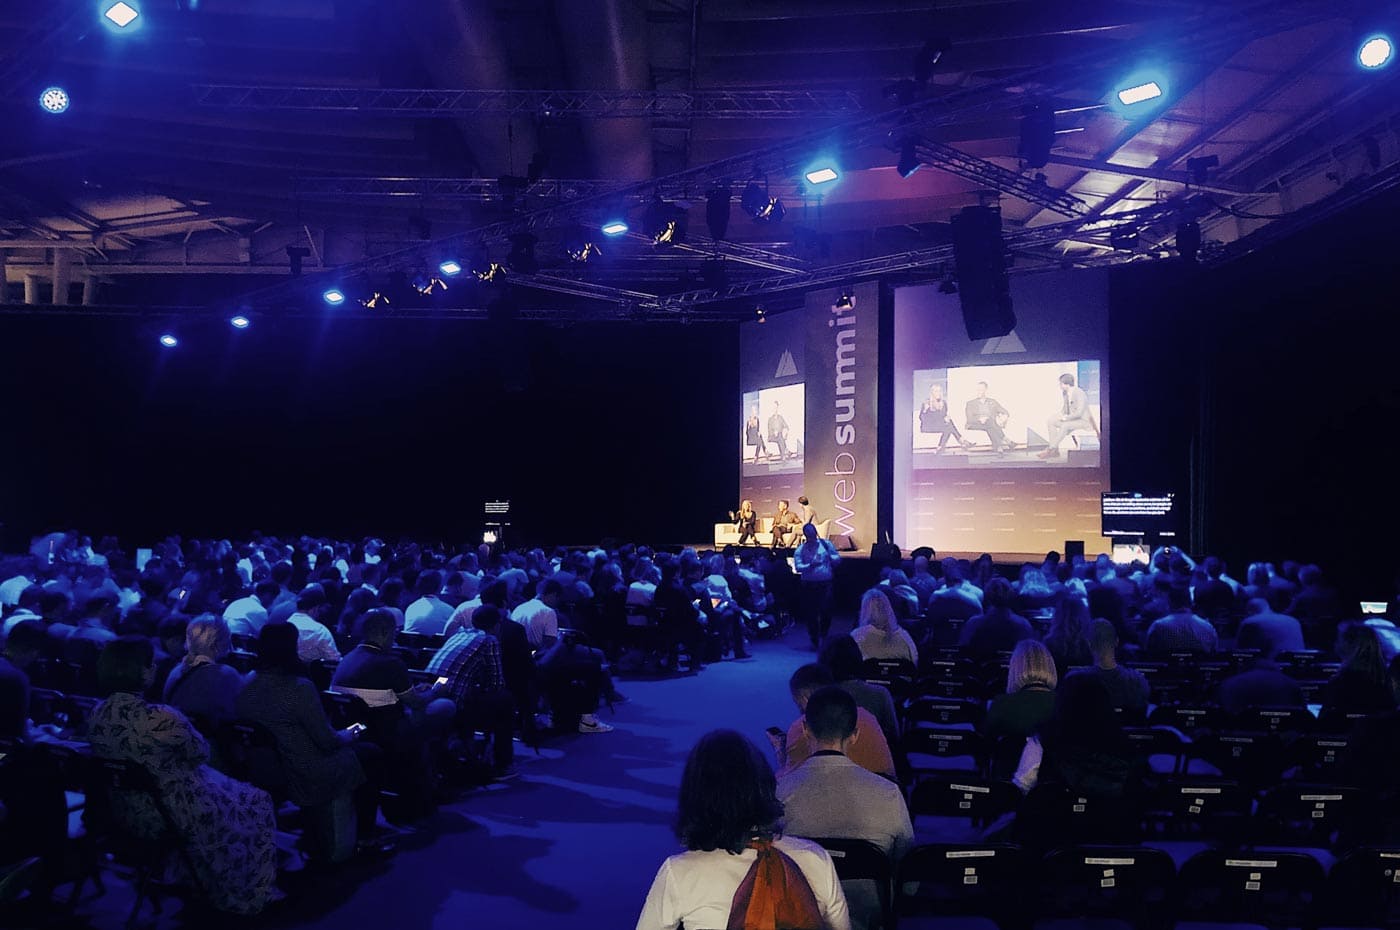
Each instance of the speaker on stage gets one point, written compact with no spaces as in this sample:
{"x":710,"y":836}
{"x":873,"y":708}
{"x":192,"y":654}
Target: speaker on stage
{"x":980,"y":257}
{"x":842,"y":541}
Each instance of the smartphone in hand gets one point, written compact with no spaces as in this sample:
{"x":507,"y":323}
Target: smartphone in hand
{"x":355,"y":729}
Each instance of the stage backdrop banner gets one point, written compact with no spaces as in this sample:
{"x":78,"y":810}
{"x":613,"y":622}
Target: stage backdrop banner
{"x":842,"y":373}
{"x":772,"y":364}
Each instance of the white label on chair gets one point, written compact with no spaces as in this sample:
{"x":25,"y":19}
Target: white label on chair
{"x":1078,"y":808}
{"x":1318,"y":815}
{"x":1251,"y":863}
{"x":970,"y":870}
{"x":1255,"y":876}
{"x":1319,"y":797}
{"x":974,"y":789}
{"x":1395,"y":877}
{"x":1200,"y":790}
{"x":1100,"y":861}
{"x":837,"y":853}
{"x":964,"y":805}
{"x":970,"y":854}
{"x":1251,"y":886}
{"x":1194,"y":809}
{"x":970,"y":879}
{"x":1107,"y":873}
{"x":1107,"y":882}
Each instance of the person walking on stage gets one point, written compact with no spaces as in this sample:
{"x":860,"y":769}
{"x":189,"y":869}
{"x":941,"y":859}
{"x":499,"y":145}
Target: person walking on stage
{"x":815,"y":561}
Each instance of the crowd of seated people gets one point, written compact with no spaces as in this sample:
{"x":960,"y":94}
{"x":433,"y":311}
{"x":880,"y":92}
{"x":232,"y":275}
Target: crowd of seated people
{"x":358,"y":682}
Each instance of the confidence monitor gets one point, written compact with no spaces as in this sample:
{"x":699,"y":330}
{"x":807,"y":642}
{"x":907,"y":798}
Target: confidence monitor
{"x":1133,"y":513}
{"x":983,"y":289}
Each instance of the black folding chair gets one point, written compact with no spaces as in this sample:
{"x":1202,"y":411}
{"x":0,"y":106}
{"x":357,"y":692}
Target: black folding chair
{"x":988,"y":881}
{"x":944,"y":712}
{"x":344,"y":709}
{"x":1362,"y":890}
{"x":942,"y":751}
{"x":1276,"y":889}
{"x":1133,"y":884}
{"x":861,"y":861}
{"x":1276,"y":720}
{"x":1054,"y":815}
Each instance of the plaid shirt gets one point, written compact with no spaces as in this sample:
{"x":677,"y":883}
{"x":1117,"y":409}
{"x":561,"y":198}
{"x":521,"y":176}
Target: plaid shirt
{"x":471,"y":662}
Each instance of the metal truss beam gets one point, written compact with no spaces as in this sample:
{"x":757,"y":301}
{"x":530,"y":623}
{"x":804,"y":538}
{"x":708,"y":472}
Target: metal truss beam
{"x":429,"y":103}
{"x":989,"y":174}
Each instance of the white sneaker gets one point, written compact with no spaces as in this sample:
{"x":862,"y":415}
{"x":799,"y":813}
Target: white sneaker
{"x":591,"y":724}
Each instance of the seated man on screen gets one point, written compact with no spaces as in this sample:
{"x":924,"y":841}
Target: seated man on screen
{"x":986,"y":414}
{"x":1074,"y":414}
{"x":753,"y":435}
{"x":786,"y":526}
{"x":778,"y":432}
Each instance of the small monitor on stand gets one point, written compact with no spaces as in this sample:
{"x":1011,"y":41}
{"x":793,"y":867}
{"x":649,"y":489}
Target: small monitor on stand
{"x":497,"y":514}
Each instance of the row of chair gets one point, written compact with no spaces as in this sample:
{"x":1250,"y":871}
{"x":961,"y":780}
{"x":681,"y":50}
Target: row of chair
{"x":1137,"y":886}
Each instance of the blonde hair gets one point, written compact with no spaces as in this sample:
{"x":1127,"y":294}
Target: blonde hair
{"x":875,"y":604}
{"x":207,"y":635}
{"x":1031,"y":664}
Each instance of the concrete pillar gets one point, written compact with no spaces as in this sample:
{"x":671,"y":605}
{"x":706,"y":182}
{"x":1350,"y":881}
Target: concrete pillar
{"x":4,"y":285}
{"x":31,"y":288}
{"x":90,"y":288}
{"x":62,"y":274}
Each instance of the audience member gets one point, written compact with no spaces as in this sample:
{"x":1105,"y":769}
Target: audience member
{"x":225,"y":827}
{"x":1267,"y":631}
{"x":1261,"y":683}
{"x":247,"y":615}
{"x":815,"y":562}
{"x":878,"y":633}
{"x":470,"y":660}
{"x":868,"y":749}
{"x":1359,"y":685}
{"x":1030,"y":693}
{"x":730,"y":824}
{"x":429,"y":614}
{"x":23,"y":646}
{"x":1081,"y":746}
{"x":997,"y":628}
{"x":314,"y":638}
{"x":1127,"y":688}
{"x":200,"y":687}
{"x":841,"y":655}
{"x":1068,"y":639}
{"x":1180,"y":630}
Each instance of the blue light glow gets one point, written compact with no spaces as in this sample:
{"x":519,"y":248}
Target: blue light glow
{"x":168,"y":340}
{"x":333,"y":296}
{"x":121,"y":14}
{"x":1139,"y":93}
{"x":1376,"y":52}
{"x":450,"y":268}
{"x":239,"y":322}
{"x":614,"y":228}
{"x":54,"y":100}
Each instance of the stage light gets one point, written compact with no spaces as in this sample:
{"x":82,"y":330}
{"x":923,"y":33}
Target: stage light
{"x":821,"y":174}
{"x":168,"y":340}
{"x":756,"y":203}
{"x":333,"y":296}
{"x":584,"y":251}
{"x":614,"y":228}
{"x":121,"y":14}
{"x":239,"y":322}
{"x":1375,"y":52}
{"x":375,"y":301}
{"x":54,"y":100}
{"x":760,"y":315}
{"x":908,"y":159}
{"x":845,"y":302}
{"x":450,"y":268}
{"x":495,"y":273}
{"x":1139,"y":93}
{"x":429,"y":286}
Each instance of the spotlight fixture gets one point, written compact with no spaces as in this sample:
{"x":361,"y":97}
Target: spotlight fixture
{"x":717,"y":211}
{"x":760,"y":315}
{"x":927,"y":57}
{"x":1375,"y":52}
{"x":756,"y":203}
{"x":239,"y":322}
{"x":948,"y":285}
{"x":493,"y":274}
{"x":1139,"y":93}
{"x":451,"y":268}
{"x":908,"y":158}
{"x":333,"y":296}
{"x":1197,"y":168}
{"x":427,"y":286}
{"x":584,"y":252}
{"x":821,"y":174}
{"x":1037,"y":134}
{"x":55,"y":100}
{"x":1188,"y":240}
{"x":845,"y":302}
{"x":375,"y":301}
{"x":168,"y":340}
{"x":614,"y":227}
{"x":121,"y":14}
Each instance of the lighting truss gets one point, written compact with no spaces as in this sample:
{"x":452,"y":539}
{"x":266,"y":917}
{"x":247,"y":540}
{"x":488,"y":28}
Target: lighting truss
{"x":430,"y":103}
{"x":991,"y":175}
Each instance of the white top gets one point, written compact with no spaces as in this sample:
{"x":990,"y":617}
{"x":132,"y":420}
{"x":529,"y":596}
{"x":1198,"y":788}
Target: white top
{"x":538,"y":619}
{"x":697,"y":888}
{"x":427,"y":615}
{"x":245,"y":615}
{"x":462,"y":617}
{"x":10,"y":589}
{"x":877,"y":644}
{"x":314,"y":640}
{"x":641,"y":593}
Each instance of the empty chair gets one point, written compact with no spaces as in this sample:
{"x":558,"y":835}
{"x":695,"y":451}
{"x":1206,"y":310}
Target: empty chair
{"x":960,"y":807}
{"x":1305,"y":815}
{"x":1361,"y":890}
{"x":1320,"y":757}
{"x":944,"y":712}
{"x":860,"y":864}
{"x":1272,"y":889}
{"x":962,"y":880}
{"x":1184,"y":815}
{"x":1163,"y":748}
{"x":1279,"y":720}
{"x":941,"y":750}
{"x":1256,"y":760}
{"x":1132,"y":885}
{"x":1054,"y":815}
{"x":1188,"y":718}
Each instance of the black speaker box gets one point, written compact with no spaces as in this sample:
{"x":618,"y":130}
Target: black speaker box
{"x":983,"y":289}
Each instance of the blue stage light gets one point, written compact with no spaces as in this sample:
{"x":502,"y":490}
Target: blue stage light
{"x":1375,"y":52}
{"x":614,"y":227}
{"x":168,"y":340}
{"x":333,"y":296}
{"x":54,"y":100}
{"x":121,"y":14}
{"x":821,"y":174}
{"x":239,"y":322}
{"x":450,"y":268}
{"x":1139,"y":93}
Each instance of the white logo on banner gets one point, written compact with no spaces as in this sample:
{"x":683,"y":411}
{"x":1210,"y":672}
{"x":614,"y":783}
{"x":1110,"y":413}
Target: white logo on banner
{"x":786,"y":366}
{"x":1008,"y":343}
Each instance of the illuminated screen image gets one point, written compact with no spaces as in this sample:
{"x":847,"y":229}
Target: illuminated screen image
{"x":771,"y":433}
{"x":998,"y":416}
